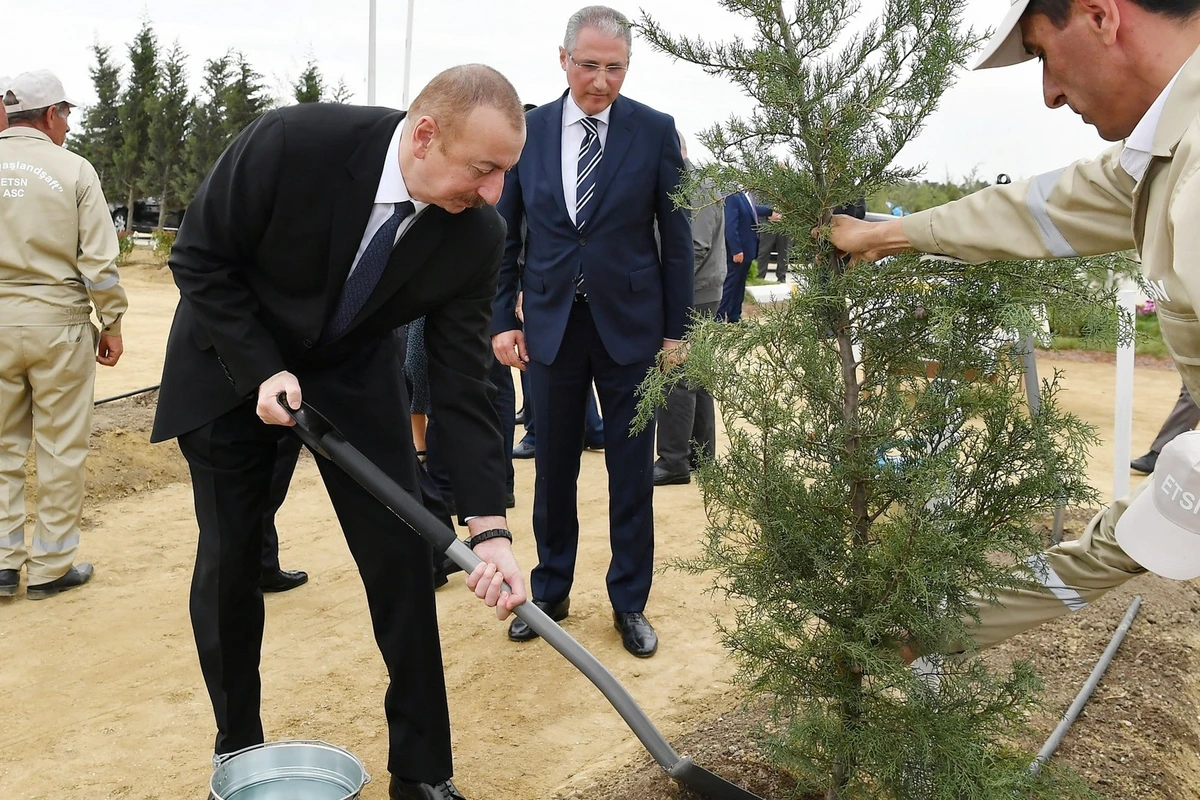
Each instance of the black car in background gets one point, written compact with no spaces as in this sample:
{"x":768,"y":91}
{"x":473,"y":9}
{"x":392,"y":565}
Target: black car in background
{"x":145,"y":216}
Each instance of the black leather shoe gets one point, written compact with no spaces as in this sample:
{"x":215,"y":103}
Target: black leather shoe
{"x":402,"y":790}
{"x":664,"y":477}
{"x":595,"y":444}
{"x":77,"y":575}
{"x":282,"y":580}
{"x":1145,"y":464}
{"x":637,"y":634}
{"x":10,"y":579}
{"x":519,"y":418}
{"x":518,"y":631}
{"x":523,"y":449}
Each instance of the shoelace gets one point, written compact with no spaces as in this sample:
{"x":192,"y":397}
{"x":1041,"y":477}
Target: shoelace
{"x":449,"y":791}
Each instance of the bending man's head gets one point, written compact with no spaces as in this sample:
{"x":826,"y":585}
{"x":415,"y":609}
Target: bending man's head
{"x":462,"y":133}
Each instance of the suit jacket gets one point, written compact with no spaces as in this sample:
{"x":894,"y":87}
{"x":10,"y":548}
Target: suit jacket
{"x":637,"y":297}
{"x":741,"y":227}
{"x":260,"y":261}
{"x":708,"y":242}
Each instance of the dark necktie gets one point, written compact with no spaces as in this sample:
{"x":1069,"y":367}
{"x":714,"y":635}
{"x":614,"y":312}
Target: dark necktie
{"x":366,"y":275}
{"x":590,"y":153}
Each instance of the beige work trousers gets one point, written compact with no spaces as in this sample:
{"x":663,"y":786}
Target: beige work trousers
{"x":47,"y":376}
{"x":1069,"y":575}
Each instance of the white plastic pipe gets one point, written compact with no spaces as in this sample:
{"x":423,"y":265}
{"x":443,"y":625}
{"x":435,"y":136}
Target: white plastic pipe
{"x":371,"y":53}
{"x":408,"y":54}
{"x":1123,"y":418}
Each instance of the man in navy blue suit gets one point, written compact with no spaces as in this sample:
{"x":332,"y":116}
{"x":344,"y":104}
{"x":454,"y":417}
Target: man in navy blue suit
{"x":600,"y":301}
{"x":742,"y":218}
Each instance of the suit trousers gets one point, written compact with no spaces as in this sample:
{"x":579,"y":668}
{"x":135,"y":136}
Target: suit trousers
{"x":1066,"y":578}
{"x":232,"y":461}
{"x":688,"y":417}
{"x":1183,"y":418}
{"x":281,"y":479}
{"x":733,"y":294}
{"x":47,"y":379}
{"x":559,"y":392}
{"x":779,"y":243}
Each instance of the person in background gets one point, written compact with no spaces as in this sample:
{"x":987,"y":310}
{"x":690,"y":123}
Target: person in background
{"x":601,"y":300}
{"x":742,"y":218}
{"x":58,"y":264}
{"x":1183,"y":418}
{"x":689,"y":418}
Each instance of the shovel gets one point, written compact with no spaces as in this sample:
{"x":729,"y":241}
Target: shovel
{"x":325,"y":440}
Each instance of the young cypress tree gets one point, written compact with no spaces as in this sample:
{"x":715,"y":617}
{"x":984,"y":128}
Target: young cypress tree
{"x":207,"y":131}
{"x":882,"y":469}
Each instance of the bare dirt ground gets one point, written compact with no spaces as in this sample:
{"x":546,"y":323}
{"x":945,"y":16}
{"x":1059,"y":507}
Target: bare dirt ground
{"x":101,"y":696}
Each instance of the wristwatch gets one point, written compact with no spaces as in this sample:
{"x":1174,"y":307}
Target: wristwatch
{"x":494,"y":533}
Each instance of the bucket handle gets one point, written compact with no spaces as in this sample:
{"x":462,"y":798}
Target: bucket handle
{"x":219,"y":759}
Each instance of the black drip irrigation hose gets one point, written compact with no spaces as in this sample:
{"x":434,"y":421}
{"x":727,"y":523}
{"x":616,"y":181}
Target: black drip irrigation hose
{"x":134,"y":393}
{"x":1051,"y":745}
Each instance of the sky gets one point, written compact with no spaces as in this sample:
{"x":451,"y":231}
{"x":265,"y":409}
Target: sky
{"x":990,"y":122}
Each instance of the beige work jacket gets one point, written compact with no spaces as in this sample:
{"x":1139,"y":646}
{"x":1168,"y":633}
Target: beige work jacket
{"x":58,"y":247}
{"x":1094,"y":207}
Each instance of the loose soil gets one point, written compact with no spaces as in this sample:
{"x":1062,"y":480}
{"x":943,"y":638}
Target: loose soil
{"x":101,"y":696}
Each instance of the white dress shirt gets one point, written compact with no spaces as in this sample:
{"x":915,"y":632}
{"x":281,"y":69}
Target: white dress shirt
{"x":572,"y":140}
{"x":1135,"y":158}
{"x":392,"y":190}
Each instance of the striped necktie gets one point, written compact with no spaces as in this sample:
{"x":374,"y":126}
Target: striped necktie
{"x":366,"y":274}
{"x":590,"y":153}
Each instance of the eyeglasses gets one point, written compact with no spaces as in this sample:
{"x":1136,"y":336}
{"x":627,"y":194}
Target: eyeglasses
{"x":591,"y":68}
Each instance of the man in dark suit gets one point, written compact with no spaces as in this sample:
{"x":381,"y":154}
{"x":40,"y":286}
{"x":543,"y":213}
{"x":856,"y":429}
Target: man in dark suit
{"x":319,"y":231}
{"x":742,"y":218}
{"x":599,"y":303}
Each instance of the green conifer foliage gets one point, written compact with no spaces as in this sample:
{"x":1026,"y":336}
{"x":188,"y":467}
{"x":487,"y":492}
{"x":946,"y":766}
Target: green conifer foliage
{"x":883,"y":470}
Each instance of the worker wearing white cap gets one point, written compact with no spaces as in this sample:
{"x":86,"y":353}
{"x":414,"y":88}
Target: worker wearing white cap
{"x":1129,"y":68}
{"x":58,"y":263}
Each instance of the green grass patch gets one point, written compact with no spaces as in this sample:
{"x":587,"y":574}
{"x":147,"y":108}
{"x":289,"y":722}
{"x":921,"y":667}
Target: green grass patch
{"x":1149,"y":340}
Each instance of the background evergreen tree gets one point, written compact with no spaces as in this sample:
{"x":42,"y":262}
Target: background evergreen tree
{"x":99,"y":136}
{"x":340,"y":93}
{"x":245,"y":99}
{"x":208,"y":130}
{"x":882,"y":465}
{"x":171,"y":116}
{"x":310,"y":86}
{"x":137,"y":108}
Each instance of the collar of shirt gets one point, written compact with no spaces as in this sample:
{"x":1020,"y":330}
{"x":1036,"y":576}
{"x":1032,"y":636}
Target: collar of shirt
{"x":1135,"y":157}
{"x":572,"y":114}
{"x":392,"y":188}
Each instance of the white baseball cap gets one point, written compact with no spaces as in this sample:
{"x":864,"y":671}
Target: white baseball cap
{"x":1006,"y":47}
{"x":32,"y":90}
{"x":1161,"y":528}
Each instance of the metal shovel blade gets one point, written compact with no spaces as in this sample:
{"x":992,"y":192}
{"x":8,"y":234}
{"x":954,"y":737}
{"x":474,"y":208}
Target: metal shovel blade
{"x":320,"y":435}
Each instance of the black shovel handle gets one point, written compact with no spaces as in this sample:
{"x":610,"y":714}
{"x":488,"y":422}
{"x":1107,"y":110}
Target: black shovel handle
{"x":325,"y":440}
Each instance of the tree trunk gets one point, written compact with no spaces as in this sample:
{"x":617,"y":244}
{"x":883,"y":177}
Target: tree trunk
{"x":849,"y":710}
{"x":162,"y":205}
{"x":129,"y":201}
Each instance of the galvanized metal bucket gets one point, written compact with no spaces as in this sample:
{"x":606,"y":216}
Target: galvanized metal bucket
{"x":295,"y":769}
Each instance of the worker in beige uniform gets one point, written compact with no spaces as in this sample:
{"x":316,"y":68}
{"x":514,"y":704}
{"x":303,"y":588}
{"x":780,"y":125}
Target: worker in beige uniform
{"x":1130,"y":69}
{"x":58,"y":260}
